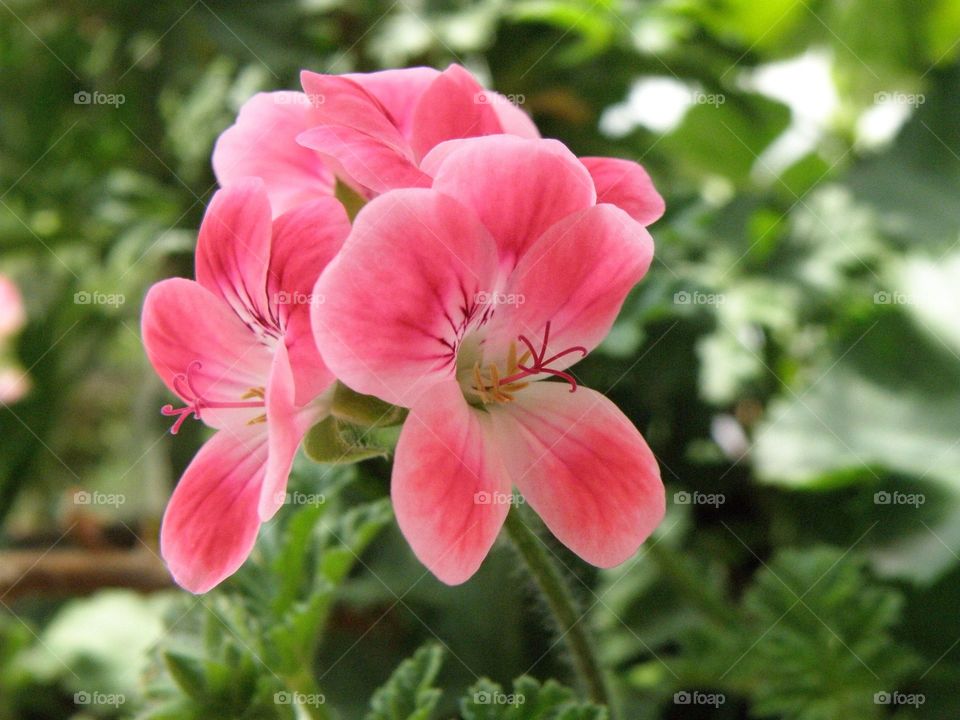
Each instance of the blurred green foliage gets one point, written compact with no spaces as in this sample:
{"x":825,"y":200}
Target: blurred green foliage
{"x":794,"y":350}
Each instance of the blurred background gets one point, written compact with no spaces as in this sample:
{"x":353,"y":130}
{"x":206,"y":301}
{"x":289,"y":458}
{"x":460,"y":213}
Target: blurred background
{"x":792,"y":358}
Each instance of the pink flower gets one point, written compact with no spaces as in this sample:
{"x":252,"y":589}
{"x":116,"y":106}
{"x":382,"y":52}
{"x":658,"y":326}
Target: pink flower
{"x":12,"y":313}
{"x":236,"y":347}
{"x":262,"y":143}
{"x":14,"y":382}
{"x":377,"y":127}
{"x":458,"y":301}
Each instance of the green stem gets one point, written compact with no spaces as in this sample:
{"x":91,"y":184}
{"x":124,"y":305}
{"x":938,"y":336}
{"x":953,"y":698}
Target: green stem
{"x":304,"y":682}
{"x":545,"y":570}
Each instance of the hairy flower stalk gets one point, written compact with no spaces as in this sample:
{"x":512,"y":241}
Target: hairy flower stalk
{"x":572,"y":626}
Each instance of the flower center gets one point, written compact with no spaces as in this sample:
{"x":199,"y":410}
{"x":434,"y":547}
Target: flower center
{"x":490,"y":387}
{"x":183,"y":383}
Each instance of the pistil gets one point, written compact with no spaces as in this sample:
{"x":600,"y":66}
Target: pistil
{"x":501,"y":389}
{"x":183,"y":384}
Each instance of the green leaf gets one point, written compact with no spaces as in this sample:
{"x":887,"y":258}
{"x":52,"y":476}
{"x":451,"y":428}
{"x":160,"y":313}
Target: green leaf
{"x":529,"y":700}
{"x":828,"y":635}
{"x":409,"y":693}
{"x":726,"y":138}
{"x":353,"y":531}
{"x":188,"y":672}
{"x":869,"y":412}
{"x":814,"y":640}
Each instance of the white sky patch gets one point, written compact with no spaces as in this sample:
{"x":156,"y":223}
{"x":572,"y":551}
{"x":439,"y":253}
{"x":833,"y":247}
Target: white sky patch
{"x":804,"y":84}
{"x":656,"y":103}
{"x":880,"y":124}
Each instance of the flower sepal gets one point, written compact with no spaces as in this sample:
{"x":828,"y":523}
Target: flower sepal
{"x":337,"y":442}
{"x":364,"y":411}
{"x":351,"y":200}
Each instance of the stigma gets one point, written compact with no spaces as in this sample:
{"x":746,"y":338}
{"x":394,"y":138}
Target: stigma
{"x":183,"y":384}
{"x":491,"y":387}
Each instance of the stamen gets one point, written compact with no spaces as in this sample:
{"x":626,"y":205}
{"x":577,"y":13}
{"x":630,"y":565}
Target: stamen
{"x":478,"y":383}
{"x":502,"y":389}
{"x":183,"y":383}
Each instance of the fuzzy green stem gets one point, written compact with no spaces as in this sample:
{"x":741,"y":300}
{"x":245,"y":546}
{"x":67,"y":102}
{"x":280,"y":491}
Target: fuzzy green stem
{"x":573,"y":630}
{"x":304,"y":682}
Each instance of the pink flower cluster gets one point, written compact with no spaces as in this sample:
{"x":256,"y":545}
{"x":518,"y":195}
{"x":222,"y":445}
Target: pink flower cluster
{"x":484,"y":264}
{"x":14,"y":381}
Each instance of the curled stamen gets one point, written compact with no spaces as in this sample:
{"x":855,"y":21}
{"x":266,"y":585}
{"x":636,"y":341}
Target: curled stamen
{"x":183,"y":384}
{"x":501,"y":389}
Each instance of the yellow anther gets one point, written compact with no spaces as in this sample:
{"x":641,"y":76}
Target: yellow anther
{"x":479,"y":385}
{"x":253,"y":393}
{"x":487,"y":384}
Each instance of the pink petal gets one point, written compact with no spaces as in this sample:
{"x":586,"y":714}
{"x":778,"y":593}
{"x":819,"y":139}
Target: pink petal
{"x":576,"y":277}
{"x":626,"y":184}
{"x":262,"y":143}
{"x":399,"y":295}
{"x":582,"y":465}
{"x":287,"y":423}
{"x":513,"y":120}
{"x":311,"y":373}
{"x":14,"y":385}
{"x":339,"y":100}
{"x":365,"y":160}
{"x":233,"y":250}
{"x":184,"y":323}
{"x":13,"y":316}
{"x":517,"y":187}
{"x":449,"y":490}
{"x":304,"y":242}
{"x":397,"y":91}
{"x":211,"y":523}
{"x":454,"y":106}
